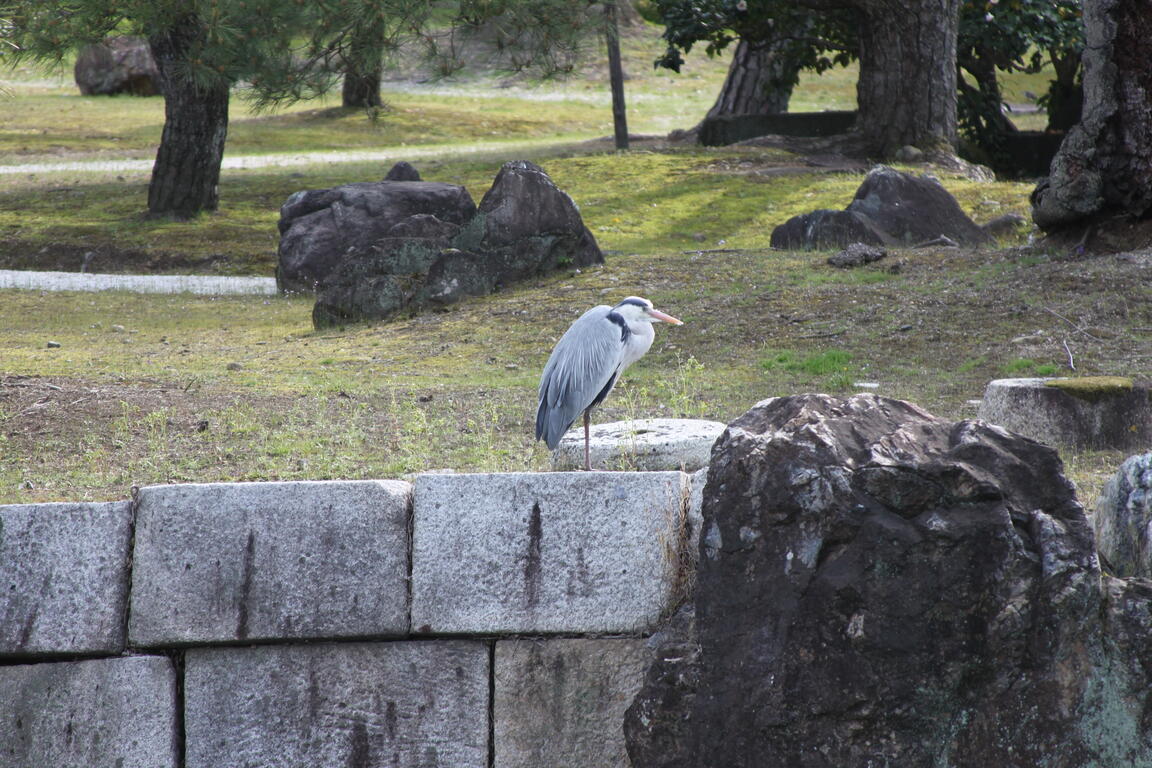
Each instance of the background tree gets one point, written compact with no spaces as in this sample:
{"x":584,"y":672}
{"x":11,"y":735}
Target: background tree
{"x":1016,"y":36}
{"x":906,"y":94}
{"x":1102,"y":169}
{"x":773,"y":45}
{"x":279,"y":50}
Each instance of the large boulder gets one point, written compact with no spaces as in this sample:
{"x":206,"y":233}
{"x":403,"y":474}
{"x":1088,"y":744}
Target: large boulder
{"x":320,"y":229}
{"x":119,"y":64}
{"x":878,"y":586}
{"x":889,"y":208}
{"x":524,"y":226}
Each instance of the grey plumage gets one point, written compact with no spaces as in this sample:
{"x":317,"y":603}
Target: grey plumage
{"x":587,"y":363}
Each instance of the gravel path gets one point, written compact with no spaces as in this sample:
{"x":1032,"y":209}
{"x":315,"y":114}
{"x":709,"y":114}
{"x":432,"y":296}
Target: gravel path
{"x":213,"y":285}
{"x":285,"y":160}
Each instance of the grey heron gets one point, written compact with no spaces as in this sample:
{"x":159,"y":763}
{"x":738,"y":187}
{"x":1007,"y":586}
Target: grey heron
{"x":588,"y":361}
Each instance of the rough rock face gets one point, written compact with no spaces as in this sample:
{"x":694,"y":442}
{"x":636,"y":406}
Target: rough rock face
{"x":877,"y":587}
{"x":524,"y":226}
{"x":889,"y":208}
{"x":1123,"y":519}
{"x":322,"y":228}
{"x":118,"y":65}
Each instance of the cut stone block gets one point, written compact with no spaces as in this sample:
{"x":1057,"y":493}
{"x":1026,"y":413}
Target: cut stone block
{"x":642,"y":444}
{"x":560,"y":703}
{"x":367,"y":705}
{"x":258,"y":561}
{"x":108,"y":712}
{"x":546,"y":552}
{"x":63,"y":578}
{"x":1091,"y":412}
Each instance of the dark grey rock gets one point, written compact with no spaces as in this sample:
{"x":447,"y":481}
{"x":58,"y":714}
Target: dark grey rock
{"x":107,"y":712}
{"x":857,"y":255}
{"x":1123,"y":519}
{"x":1005,"y":225}
{"x":525,"y":226}
{"x":234,"y":562}
{"x":365,"y":705}
{"x":119,"y":64}
{"x":889,"y":208}
{"x":403,"y":171}
{"x":560,"y":702}
{"x":878,"y":586}
{"x":319,"y":229}
{"x":909,"y":154}
{"x":63,"y":578}
{"x":823,"y":229}
{"x":911,"y":209}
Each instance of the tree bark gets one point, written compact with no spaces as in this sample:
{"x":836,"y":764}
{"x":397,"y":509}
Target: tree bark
{"x":759,"y":82}
{"x":907,"y":87}
{"x":362,"y":70}
{"x":361,"y":89}
{"x":1103,"y":166}
{"x":616,"y":76}
{"x":186,"y":174}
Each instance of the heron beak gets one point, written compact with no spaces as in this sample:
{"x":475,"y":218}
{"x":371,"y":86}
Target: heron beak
{"x":663,"y":317}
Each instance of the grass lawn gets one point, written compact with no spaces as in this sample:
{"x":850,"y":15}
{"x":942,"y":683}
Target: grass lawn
{"x":155,"y":389}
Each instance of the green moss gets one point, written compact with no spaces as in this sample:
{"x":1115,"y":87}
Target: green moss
{"x":1094,"y":388}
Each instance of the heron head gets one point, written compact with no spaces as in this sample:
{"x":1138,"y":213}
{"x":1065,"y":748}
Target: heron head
{"x":635,"y":309}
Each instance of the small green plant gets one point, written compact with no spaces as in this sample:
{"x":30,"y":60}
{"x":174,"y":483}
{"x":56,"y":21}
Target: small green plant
{"x":971,"y":364}
{"x":817,"y":364}
{"x":829,"y":370}
{"x":682,"y":392}
{"x":1027,"y":366}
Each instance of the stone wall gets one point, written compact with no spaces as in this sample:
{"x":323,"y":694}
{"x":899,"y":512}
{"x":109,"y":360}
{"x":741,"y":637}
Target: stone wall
{"x":493,"y":620}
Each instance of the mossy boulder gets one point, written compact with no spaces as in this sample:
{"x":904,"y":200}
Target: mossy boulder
{"x":372,"y":251}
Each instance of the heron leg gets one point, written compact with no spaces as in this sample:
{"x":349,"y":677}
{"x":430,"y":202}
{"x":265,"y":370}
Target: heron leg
{"x":587,"y":456}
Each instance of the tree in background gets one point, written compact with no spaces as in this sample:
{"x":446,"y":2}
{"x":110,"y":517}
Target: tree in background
{"x":1102,"y":169}
{"x":1016,"y":36}
{"x":278,"y":50}
{"x":774,"y":43}
{"x":906,"y":94}
{"x":900,"y":91}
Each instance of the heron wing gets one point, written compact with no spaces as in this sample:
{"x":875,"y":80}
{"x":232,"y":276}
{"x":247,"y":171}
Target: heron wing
{"x":583,"y":363}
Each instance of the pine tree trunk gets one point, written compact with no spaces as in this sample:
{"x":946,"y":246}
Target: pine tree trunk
{"x":362,"y":70}
{"x":361,"y":89}
{"x":1105,"y":163}
{"x":186,"y":174}
{"x":616,"y":75}
{"x":907,"y":87}
{"x":759,"y":82}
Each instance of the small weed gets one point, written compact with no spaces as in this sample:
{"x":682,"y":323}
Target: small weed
{"x":1026,"y":366}
{"x":971,"y":364}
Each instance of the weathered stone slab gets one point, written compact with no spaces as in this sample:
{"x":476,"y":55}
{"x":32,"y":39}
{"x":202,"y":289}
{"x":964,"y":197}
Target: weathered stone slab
{"x":108,"y":712}
{"x":63,"y":578}
{"x":411,"y":704}
{"x":1089,"y":412}
{"x":546,"y":552}
{"x":256,"y":561}
{"x":560,"y":703}
{"x":641,"y":444}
